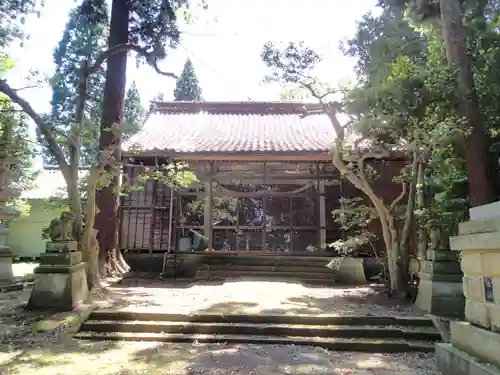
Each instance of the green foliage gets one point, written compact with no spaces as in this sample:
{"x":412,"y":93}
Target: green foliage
{"x":187,"y":87}
{"x":153,"y":26}
{"x":174,"y":174}
{"x":223,"y":207}
{"x":134,"y":112}
{"x":85,"y":38}
{"x":13,"y":15}
{"x":159,"y":97}
{"x":288,"y":63}
{"x":21,"y":146}
{"x":406,"y":97}
{"x":354,"y":218}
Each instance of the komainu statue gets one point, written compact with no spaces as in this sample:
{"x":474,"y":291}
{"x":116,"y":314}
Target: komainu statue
{"x":61,"y":228}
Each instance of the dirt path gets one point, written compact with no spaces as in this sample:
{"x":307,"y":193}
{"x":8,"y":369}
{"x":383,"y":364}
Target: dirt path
{"x":23,"y":351}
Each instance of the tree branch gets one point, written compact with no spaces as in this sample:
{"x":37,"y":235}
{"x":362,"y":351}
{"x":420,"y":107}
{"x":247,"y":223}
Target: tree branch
{"x":150,"y":57}
{"x":45,"y":128}
{"x":400,"y":197}
{"x":27,"y":87}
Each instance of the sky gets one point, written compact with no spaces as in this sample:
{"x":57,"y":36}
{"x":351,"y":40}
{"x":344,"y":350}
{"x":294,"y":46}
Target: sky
{"x":223,"y":42}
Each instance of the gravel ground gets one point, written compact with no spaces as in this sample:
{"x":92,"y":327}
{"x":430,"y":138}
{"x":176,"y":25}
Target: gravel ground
{"x":25,"y":352}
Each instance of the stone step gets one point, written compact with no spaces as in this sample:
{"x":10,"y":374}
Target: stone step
{"x":264,"y":260}
{"x":207,"y":274}
{"x":338,"y":344}
{"x":363,"y":320}
{"x":190,"y":328}
{"x":267,"y":268}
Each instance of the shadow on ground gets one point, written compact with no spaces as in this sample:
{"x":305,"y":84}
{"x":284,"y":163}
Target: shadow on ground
{"x":31,"y":353}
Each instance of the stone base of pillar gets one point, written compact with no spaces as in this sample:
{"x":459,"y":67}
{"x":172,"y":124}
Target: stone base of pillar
{"x":60,"y":282}
{"x":7,"y":281}
{"x":470,"y":349}
{"x":440,"y":291}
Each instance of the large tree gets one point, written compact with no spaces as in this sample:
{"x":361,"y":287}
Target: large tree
{"x":476,"y":145}
{"x":65,"y":147}
{"x":400,"y":104}
{"x":85,"y":37}
{"x":187,"y":87}
{"x":149,"y":28}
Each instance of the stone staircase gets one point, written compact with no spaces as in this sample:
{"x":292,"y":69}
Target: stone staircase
{"x":341,"y":333}
{"x":307,"y":269}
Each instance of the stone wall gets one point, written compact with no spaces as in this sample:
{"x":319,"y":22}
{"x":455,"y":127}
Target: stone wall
{"x":479,"y":243}
{"x":475,"y":343}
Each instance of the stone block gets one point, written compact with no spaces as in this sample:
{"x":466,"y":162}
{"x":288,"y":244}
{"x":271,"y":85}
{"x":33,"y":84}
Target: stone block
{"x":478,"y":241}
{"x":61,"y":259}
{"x":441,"y":298}
{"x":453,"y":361}
{"x":477,"y":313}
{"x":59,"y":287}
{"x":482,"y":226}
{"x":442,"y":256}
{"x":491,"y":263}
{"x":474,"y":288}
{"x":351,"y":271}
{"x":471,"y":264}
{"x":476,"y":341}
{"x":446,"y":268}
{"x":441,"y":277}
{"x":485,"y":212}
{"x":61,"y":246}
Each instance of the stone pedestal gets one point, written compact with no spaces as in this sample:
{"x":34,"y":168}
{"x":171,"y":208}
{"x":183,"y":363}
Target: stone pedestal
{"x":60,"y":280}
{"x":440,"y":291}
{"x":7,"y":174}
{"x":7,"y":281}
{"x":475,"y":343}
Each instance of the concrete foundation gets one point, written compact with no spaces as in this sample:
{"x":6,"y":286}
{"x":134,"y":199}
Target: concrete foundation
{"x":60,"y":282}
{"x":440,"y":291}
{"x":453,"y":361}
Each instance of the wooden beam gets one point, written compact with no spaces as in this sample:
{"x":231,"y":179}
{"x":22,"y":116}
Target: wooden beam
{"x":244,"y":194}
{"x":240,"y":156}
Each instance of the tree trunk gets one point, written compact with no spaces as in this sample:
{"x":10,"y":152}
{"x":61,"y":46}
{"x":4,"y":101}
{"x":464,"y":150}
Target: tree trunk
{"x":423,"y":237}
{"x":404,"y":243}
{"x":114,"y":95}
{"x":476,"y":146}
{"x":91,"y":245}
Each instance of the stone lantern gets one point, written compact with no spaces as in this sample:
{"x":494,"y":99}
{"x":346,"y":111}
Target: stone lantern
{"x":7,"y":173}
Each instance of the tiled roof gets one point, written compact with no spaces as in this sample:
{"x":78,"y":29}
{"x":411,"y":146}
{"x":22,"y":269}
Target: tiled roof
{"x":233,"y":127}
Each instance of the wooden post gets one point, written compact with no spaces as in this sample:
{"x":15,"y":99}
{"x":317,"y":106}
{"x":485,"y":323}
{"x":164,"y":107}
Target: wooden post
{"x":322,"y":214}
{"x":152,"y":216}
{"x":207,"y":221}
{"x":264,"y":214}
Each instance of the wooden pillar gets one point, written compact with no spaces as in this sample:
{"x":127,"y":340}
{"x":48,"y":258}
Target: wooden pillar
{"x":207,"y":221}
{"x":322,"y":214}
{"x":264,"y":214}
{"x":152,"y":215}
